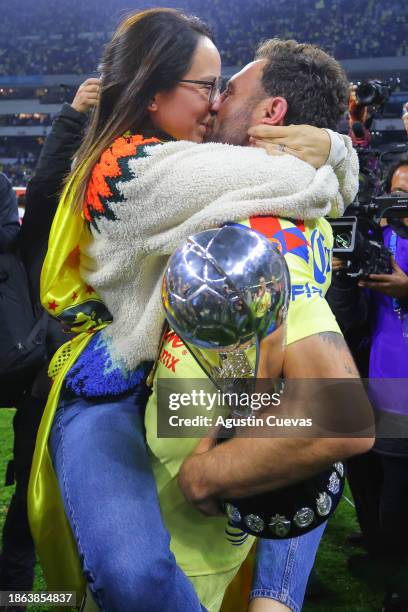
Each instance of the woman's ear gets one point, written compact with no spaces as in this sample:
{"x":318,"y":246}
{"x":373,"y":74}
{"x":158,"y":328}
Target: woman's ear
{"x":152,"y":105}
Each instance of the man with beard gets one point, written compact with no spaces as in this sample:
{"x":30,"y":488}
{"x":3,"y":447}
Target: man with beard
{"x":287,"y":83}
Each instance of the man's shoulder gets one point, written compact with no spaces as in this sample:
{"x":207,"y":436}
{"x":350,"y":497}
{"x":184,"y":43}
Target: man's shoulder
{"x":289,"y":234}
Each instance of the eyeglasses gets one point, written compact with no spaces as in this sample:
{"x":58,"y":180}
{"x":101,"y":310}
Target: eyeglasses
{"x":213,"y":87}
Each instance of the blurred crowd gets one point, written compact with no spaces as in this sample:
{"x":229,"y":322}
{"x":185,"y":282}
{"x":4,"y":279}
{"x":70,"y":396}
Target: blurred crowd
{"x":18,"y":163}
{"x":18,"y":173}
{"x":70,"y":38}
{"x":26,"y":119}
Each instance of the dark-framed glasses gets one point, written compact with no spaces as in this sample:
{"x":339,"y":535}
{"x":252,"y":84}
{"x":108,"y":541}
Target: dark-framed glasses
{"x":213,"y":87}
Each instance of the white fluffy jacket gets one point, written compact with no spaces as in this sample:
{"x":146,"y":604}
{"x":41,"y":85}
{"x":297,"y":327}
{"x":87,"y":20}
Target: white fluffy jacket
{"x":180,"y":188}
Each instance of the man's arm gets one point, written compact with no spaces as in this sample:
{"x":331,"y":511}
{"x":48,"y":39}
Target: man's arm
{"x":240,"y":467}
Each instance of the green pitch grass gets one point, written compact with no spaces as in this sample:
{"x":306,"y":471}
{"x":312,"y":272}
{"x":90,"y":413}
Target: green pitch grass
{"x":344,"y":592}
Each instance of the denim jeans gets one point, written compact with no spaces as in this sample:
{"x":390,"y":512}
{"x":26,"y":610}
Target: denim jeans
{"x":110,"y":498}
{"x":282,"y":568}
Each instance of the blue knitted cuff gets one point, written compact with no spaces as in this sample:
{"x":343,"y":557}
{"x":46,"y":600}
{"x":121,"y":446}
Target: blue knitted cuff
{"x":96,"y":374}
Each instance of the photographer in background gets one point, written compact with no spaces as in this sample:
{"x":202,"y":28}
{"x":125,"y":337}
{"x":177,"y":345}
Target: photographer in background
{"x":359,"y":120}
{"x":395,"y":285}
{"x":17,"y":559}
{"x":379,"y":479}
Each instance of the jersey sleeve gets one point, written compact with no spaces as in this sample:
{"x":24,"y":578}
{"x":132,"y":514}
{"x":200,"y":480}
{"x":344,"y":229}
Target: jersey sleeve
{"x":310,"y":276}
{"x":309,"y":314}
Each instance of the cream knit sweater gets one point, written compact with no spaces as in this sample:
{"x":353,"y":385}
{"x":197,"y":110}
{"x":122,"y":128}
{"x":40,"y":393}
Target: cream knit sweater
{"x":180,"y":188}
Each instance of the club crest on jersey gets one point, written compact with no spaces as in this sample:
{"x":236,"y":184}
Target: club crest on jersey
{"x":291,"y":239}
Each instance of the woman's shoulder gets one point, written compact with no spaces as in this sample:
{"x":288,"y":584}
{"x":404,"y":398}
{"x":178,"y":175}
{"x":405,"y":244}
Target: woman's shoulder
{"x":132,"y":145}
{"x":111,"y":169}
{"x":122,"y":148}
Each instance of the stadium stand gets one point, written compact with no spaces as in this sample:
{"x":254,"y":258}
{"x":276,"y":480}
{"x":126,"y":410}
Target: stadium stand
{"x":47,"y":50}
{"x":70,"y":37}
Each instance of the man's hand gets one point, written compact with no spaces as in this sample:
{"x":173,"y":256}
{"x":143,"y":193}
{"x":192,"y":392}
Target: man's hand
{"x":308,"y":143}
{"x":87,"y":95}
{"x":395,"y":285}
{"x":244,"y":466}
{"x":188,"y":480}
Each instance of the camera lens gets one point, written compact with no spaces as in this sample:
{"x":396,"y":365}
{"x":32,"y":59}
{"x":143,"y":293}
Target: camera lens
{"x":366,"y":93}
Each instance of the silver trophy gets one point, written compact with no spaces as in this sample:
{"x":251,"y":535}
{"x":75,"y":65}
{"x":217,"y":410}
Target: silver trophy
{"x":225,"y":291}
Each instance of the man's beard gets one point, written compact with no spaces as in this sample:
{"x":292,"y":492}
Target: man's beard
{"x":234,"y":129}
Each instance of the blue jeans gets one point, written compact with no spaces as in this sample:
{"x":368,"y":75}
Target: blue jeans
{"x":283,"y":567}
{"x":110,"y":498}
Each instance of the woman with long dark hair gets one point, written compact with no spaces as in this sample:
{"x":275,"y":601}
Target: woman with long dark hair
{"x":128,"y":202}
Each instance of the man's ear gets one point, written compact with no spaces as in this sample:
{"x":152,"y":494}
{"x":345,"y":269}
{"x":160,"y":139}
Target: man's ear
{"x":275,"y":111}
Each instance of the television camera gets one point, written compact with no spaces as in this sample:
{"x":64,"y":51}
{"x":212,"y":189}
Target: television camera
{"x":358,"y":235}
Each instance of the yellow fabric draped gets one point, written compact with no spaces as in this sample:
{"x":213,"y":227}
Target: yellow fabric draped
{"x":51,"y":531}
{"x":237,"y":595}
{"x":63,"y":292}
{"x":69,"y":298}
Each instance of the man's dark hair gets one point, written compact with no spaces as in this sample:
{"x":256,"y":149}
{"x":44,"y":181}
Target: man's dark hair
{"x":312,"y":82}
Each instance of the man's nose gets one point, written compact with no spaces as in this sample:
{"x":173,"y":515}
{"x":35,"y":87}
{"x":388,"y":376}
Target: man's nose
{"x":215,"y":106}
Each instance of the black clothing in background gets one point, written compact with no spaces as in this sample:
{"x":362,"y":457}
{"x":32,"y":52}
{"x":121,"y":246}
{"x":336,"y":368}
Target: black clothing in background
{"x":18,"y":556}
{"x":378,"y":479}
{"x":9,"y":222}
{"x":350,"y":308}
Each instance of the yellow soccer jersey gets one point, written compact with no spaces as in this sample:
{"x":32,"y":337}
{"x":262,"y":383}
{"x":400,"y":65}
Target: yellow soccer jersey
{"x":307,"y":247}
{"x":200,"y":544}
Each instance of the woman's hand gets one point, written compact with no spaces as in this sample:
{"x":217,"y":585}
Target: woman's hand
{"x":308,"y":143}
{"x":87,"y":95}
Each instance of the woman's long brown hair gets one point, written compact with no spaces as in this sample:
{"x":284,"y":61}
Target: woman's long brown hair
{"x":149,"y":52}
